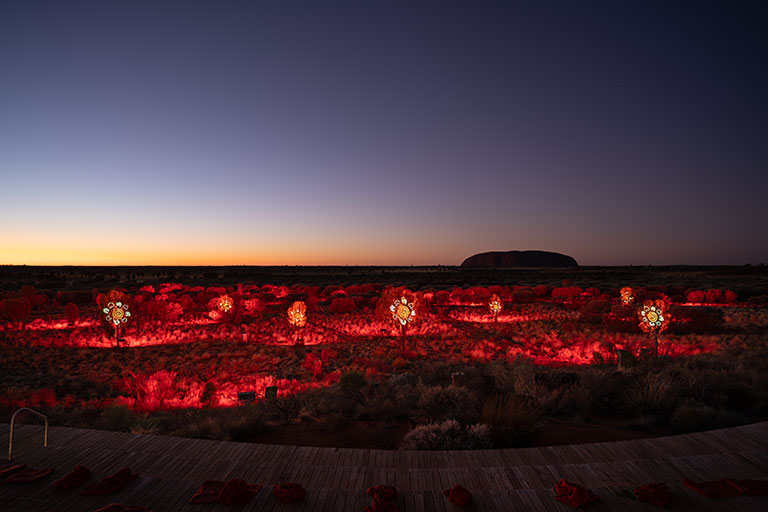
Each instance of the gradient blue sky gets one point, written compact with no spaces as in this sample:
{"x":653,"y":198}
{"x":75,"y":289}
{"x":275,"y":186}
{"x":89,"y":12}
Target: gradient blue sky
{"x":382,"y":132}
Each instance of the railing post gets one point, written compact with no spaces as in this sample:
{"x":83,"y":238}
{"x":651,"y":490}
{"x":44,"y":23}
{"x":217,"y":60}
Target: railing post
{"x":13,"y":420}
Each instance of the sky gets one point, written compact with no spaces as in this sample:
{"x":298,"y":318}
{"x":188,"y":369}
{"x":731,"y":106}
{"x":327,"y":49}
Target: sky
{"x":382,"y":133}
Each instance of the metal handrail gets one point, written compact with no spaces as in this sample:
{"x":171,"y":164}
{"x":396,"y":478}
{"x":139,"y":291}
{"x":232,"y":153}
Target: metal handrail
{"x":13,"y":418}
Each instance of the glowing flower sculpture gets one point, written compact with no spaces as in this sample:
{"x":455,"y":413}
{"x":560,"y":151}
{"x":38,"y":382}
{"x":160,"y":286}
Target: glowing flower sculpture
{"x":495,"y":306}
{"x":627,"y":295}
{"x":116,"y":313}
{"x":297,"y":314}
{"x":225,"y":303}
{"x":654,"y":318}
{"x":403,"y":313}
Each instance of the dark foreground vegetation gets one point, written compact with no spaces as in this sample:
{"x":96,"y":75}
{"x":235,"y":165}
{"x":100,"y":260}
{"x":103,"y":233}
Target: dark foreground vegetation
{"x":563,"y":363}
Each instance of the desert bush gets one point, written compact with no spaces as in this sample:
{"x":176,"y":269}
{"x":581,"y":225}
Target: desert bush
{"x":450,"y":402}
{"x":145,"y":425}
{"x":336,"y":422}
{"x":565,"y":293}
{"x":78,"y":297}
{"x":522,"y":295}
{"x":72,"y":312}
{"x":17,"y":310}
{"x":714,"y":296}
{"x":689,"y":319}
{"x":246,"y":424}
{"x":448,"y":435}
{"x":403,"y":380}
{"x":322,"y":402}
{"x":286,"y":407}
{"x":341,"y":305}
{"x":351,"y":383}
{"x":510,"y":419}
{"x":653,"y":393}
{"x":117,"y":417}
{"x":592,"y":312}
{"x":382,"y":407}
{"x":208,"y":395}
{"x":692,"y":418}
{"x":738,"y":394}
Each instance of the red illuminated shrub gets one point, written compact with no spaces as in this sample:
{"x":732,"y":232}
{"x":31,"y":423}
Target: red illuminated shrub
{"x":341,"y":305}
{"x":441,"y":298}
{"x":203,"y":297}
{"x":78,"y":297}
{"x":523,"y":295}
{"x":541,"y":291}
{"x":152,"y":391}
{"x":187,"y":304}
{"x":566,"y":293}
{"x":479,"y":294}
{"x":714,"y":296}
{"x":253,"y":306}
{"x":497,"y":290}
{"x":688,"y":319}
{"x":314,"y":365}
{"x":159,"y":310}
{"x":17,"y":310}
{"x":711,"y":296}
{"x":592,"y":312}
{"x":168,"y":287}
{"x":458,"y":296}
{"x":72,"y":312}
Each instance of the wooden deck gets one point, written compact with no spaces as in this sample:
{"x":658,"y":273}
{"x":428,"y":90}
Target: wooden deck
{"x":172,"y":468}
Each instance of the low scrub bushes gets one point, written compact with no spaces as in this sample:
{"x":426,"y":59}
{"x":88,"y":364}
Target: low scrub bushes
{"x":450,"y":402}
{"x":511,"y":419}
{"x":448,"y":435}
{"x":653,"y":393}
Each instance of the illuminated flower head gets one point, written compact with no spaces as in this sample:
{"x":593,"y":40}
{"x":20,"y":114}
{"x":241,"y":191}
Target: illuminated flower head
{"x":653,"y":316}
{"x":117,"y":313}
{"x":402,"y":310}
{"x":297,"y":314}
{"x":225,"y":303}
{"x":495,"y":304}
{"x":627,"y":295}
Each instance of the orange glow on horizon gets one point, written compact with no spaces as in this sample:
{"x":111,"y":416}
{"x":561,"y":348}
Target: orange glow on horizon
{"x":119,"y":253}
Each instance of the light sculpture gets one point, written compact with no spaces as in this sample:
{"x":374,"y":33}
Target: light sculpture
{"x":654,"y":318}
{"x":297,"y":314}
{"x":627,"y":295}
{"x":403,"y":312}
{"x":116,"y":313}
{"x":495,"y":306}
{"x":225,"y":303}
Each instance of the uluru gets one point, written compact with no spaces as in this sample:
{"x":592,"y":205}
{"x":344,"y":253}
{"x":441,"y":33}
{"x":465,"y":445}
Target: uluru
{"x":519,"y":259}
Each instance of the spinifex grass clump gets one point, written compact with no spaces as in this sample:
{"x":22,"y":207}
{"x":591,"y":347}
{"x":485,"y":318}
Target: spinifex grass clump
{"x":511,"y":419}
